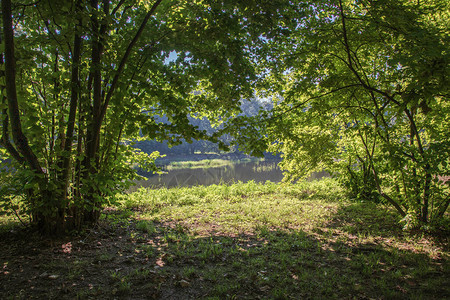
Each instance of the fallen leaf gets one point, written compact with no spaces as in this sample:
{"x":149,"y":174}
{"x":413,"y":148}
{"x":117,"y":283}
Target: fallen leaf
{"x":160,"y":262}
{"x":264,"y":288}
{"x":184,"y":283}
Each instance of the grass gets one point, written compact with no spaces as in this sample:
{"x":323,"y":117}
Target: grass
{"x":289,"y":241}
{"x":246,"y":241}
{"x":203,"y":164}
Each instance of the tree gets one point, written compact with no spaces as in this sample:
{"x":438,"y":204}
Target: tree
{"x":82,"y":79}
{"x":364,"y":94}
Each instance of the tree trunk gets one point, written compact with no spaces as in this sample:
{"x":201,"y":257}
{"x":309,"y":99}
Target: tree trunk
{"x":75,"y":91}
{"x":19,"y":138}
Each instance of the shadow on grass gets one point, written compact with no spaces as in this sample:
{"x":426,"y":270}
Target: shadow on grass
{"x":123,"y":258}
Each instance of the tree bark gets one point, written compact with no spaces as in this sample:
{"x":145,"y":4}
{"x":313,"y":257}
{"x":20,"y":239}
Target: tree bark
{"x":4,"y":140}
{"x":75,"y":90}
{"x":99,"y":109}
{"x":20,"y":140}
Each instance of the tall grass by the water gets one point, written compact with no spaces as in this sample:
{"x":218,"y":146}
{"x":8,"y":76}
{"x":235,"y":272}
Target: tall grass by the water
{"x":205,"y":163}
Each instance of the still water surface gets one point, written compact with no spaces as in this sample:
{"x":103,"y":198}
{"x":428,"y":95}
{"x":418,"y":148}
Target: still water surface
{"x":261,"y":171}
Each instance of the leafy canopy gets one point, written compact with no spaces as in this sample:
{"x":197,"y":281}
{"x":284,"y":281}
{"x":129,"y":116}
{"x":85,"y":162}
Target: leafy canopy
{"x":361,"y":89}
{"x":84,"y":79}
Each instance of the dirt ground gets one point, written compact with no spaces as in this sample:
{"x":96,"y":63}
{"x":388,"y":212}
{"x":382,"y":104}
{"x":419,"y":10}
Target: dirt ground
{"x":117,"y":260}
{"x":83,"y":267}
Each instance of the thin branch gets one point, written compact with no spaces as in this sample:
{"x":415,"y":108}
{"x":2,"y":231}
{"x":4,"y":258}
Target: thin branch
{"x":312,"y":98}
{"x":377,"y":183}
{"x":444,"y":208}
{"x":26,"y":5}
{"x":117,"y":7}
{"x":47,"y":26}
{"x":17,"y":214}
{"x":125,"y":58}
{"x":349,"y":63}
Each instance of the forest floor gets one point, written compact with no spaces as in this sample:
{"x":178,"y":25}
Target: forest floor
{"x":243,"y":241}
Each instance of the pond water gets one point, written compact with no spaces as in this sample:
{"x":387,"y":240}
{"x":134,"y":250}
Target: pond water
{"x":261,"y":171}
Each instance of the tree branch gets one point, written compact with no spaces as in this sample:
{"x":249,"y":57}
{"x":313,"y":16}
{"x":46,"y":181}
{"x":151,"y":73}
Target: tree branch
{"x":312,"y":98}
{"x":4,"y":140}
{"x":124,"y":60}
{"x":117,"y":7}
{"x":74,"y":96}
{"x":349,"y":63}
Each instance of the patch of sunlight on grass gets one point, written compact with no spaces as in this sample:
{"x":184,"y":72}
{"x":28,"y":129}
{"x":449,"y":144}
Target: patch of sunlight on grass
{"x":237,"y":207}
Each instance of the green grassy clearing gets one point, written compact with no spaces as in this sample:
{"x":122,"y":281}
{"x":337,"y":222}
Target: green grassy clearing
{"x":240,"y":241}
{"x":286,"y":241}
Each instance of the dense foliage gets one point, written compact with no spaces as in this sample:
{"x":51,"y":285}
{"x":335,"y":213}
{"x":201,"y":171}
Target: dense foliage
{"x":362,"y":89}
{"x":81,"y":78}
